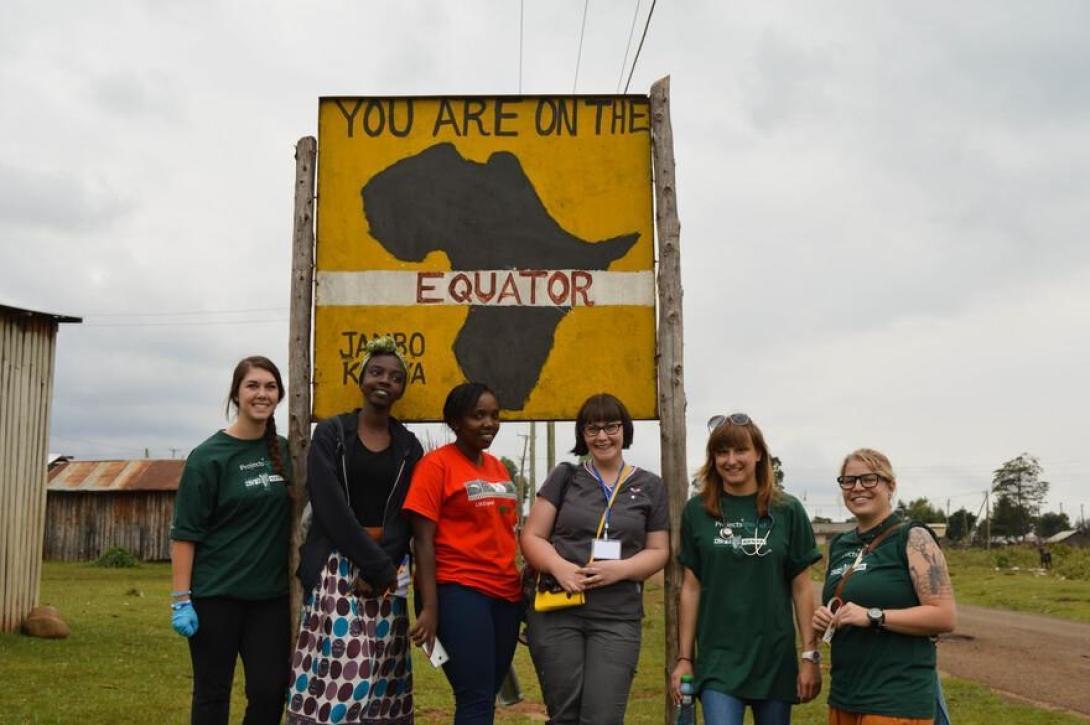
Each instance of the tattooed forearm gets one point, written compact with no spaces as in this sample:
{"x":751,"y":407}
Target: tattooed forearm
{"x":927,"y":565}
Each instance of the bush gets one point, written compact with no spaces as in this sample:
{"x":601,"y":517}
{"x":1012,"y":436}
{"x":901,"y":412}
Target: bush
{"x":116,"y":558}
{"x":1071,"y":563}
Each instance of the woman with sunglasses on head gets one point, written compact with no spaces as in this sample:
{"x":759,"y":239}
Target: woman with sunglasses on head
{"x":229,"y":554}
{"x":463,"y":505}
{"x":351,"y":659}
{"x":746,"y":549}
{"x":601,"y":529}
{"x":888,"y":594}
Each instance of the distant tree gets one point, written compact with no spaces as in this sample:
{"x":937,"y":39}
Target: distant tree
{"x":959,"y":525}
{"x":921,"y":510}
{"x":1051,"y":523}
{"x":822,"y":520}
{"x":1010,"y":519}
{"x":777,"y":468}
{"x":1019,"y":479}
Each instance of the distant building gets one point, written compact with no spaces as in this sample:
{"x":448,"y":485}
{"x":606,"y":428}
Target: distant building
{"x":1072,"y":537}
{"x":824,"y":532}
{"x":27,"y":348}
{"x":93,"y":506}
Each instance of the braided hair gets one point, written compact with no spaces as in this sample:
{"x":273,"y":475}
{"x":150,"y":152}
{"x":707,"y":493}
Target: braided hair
{"x":272,"y":441}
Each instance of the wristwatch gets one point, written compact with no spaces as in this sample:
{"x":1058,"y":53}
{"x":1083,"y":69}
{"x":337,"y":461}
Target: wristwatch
{"x":877,"y":617}
{"x":811,"y":655}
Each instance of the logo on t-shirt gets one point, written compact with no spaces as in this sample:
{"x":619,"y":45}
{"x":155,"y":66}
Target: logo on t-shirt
{"x":848,"y":558}
{"x":485,"y":492}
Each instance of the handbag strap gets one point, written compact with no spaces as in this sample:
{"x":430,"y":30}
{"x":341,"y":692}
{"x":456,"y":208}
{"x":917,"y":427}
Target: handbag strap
{"x":866,"y":550}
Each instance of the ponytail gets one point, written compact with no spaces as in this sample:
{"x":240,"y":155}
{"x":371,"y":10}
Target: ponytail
{"x":272,"y":443}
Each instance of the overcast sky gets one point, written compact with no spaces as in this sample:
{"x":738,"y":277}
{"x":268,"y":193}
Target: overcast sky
{"x":883,"y":209}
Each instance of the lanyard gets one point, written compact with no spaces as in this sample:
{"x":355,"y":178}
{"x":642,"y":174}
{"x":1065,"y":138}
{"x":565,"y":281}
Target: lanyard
{"x":610,"y":496}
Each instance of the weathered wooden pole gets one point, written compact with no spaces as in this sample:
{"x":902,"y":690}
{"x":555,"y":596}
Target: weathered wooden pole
{"x":302,"y":293}
{"x":671,"y":373}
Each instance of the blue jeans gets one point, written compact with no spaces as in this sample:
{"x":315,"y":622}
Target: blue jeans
{"x":479,"y":633}
{"x":723,"y":709}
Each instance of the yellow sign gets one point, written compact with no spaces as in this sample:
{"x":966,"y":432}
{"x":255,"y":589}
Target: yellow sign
{"x":505,"y":240}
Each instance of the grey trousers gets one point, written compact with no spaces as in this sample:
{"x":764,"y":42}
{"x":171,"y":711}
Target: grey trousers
{"x":585,"y":665}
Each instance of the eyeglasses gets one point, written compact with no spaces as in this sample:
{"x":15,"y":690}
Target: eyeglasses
{"x":735,"y":418}
{"x":867,"y":480}
{"x":592,"y":429}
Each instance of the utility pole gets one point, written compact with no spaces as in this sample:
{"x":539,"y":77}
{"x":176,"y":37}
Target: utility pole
{"x":521,"y":488}
{"x":174,"y":452}
{"x":988,"y":519}
{"x":533,"y":461}
{"x":550,"y":445}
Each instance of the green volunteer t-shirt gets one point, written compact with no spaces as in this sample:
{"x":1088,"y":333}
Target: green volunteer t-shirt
{"x":874,"y":670}
{"x":745,"y":632}
{"x":235,"y":507}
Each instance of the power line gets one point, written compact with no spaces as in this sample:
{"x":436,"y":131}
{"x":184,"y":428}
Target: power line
{"x":579,"y":55}
{"x":188,"y":323}
{"x":186,"y":313}
{"x":640,"y":46}
{"x":628,"y":45}
{"x":522,"y":13}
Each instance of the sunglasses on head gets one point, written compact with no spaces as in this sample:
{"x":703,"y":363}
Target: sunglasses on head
{"x":734,"y":418}
{"x":867,"y":480}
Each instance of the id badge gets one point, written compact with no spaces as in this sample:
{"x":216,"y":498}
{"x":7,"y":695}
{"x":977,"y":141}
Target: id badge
{"x":606,"y":549}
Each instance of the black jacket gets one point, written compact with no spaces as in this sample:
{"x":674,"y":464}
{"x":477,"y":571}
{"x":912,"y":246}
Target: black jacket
{"x":334,"y":524}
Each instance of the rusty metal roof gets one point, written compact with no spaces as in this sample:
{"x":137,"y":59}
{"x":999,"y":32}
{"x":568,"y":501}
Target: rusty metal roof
{"x":138,"y":475}
{"x":10,"y":311}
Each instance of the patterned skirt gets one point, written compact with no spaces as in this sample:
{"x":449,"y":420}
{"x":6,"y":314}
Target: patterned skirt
{"x":351,"y":662}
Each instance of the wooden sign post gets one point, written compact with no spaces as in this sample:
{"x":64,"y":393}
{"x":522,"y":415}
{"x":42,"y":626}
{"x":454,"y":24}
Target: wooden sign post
{"x":671,"y":371}
{"x":302,"y":294}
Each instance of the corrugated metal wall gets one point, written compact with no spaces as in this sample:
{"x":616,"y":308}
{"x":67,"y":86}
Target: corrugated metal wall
{"x":81,"y":525}
{"x":26,"y":390}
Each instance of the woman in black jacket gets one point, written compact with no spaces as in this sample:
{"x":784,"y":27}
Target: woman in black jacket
{"x":351,"y":659}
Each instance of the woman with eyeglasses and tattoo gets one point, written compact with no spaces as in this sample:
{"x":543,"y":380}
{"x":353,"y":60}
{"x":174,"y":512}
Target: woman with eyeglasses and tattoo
{"x":888,"y":595}
{"x":600,"y":529}
{"x":746,"y":549}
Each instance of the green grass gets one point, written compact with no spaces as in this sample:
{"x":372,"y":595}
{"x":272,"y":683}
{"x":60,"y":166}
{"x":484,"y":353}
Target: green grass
{"x":123,"y":664}
{"x":1017,"y":586}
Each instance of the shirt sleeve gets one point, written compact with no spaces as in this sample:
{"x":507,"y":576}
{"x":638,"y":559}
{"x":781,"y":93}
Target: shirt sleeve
{"x":554,"y":484}
{"x":194,"y":502}
{"x":658,"y":518}
{"x":802,"y":549}
{"x":690,"y":553}
{"x":425,"y":496}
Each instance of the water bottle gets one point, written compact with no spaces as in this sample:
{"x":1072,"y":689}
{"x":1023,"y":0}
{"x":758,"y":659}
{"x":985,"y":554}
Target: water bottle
{"x":686,"y":710}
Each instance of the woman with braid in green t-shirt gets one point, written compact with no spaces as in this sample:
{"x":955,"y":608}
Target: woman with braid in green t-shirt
{"x":888,"y":594}
{"x":746,"y":547}
{"x":229,"y":554}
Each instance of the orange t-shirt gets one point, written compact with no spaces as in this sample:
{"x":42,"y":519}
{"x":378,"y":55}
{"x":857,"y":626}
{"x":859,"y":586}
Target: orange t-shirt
{"x":473,"y":508}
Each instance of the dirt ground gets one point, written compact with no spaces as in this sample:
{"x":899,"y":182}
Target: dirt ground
{"x":1039,"y":659}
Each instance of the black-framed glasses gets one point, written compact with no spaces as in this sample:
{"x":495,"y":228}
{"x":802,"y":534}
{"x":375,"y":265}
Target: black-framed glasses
{"x":867,"y":480}
{"x":734,"y":418}
{"x":592,"y":429}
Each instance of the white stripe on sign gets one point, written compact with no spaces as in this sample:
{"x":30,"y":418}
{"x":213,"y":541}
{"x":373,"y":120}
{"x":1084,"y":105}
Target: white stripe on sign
{"x":496,"y":288}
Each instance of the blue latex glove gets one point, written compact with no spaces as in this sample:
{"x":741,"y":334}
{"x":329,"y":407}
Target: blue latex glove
{"x":184,"y":618}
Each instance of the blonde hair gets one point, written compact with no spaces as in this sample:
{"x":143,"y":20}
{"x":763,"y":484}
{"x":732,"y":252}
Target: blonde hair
{"x":875,"y":460}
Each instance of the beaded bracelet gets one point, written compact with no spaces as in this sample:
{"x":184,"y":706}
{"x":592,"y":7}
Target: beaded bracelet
{"x":186,"y":593}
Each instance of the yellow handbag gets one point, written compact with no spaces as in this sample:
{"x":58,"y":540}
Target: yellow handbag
{"x":548,"y":594}
{"x":547,"y":599}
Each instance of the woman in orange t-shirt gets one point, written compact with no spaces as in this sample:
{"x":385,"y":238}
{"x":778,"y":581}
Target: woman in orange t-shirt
{"x":463,"y":506}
